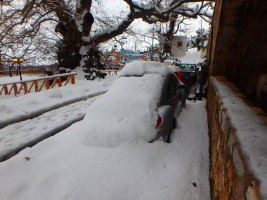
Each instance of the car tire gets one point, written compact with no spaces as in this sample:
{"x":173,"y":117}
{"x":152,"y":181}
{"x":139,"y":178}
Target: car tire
{"x":184,"y":99}
{"x":184,"y":103}
{"x":167,"y":139}
{"x":178,"y":108}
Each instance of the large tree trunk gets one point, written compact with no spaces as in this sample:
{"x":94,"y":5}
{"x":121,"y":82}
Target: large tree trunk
{"x":69,"y":48}
{"x":72,"y":30}
{"x":169,"y":34}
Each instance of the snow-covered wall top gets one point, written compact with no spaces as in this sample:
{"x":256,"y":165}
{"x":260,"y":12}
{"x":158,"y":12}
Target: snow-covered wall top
{"x":250,"y":130}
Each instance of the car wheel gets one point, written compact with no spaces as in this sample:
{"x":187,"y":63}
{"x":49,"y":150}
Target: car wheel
{"x":178,"y":108}
{"x":184,"y":103}
{"x":167,"y":138}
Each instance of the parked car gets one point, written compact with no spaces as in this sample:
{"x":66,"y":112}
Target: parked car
{"x":171,"y":99}
{"x":142,"y":103}
{"x":187,"y":74}
{"x":188,"y":67}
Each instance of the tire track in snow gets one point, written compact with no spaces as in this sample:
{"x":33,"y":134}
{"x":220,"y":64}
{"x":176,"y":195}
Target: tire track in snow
{"x":48,"y":109}
{"x":18,"y":136}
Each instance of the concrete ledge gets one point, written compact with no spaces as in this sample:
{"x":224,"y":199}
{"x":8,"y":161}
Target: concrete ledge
{"x":238,"y":150}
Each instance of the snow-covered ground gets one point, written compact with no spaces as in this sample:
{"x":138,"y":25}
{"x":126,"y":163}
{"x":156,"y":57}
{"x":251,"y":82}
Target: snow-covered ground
{"x":61,"y":167}
{"x":65,"y":166}
{"x":17,"y":136}
{"x":33,"y":104}
{"x":192,"y":56}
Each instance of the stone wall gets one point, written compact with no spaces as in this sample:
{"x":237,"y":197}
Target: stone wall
{"x":239,"y":45}
{"x":230,"y":174}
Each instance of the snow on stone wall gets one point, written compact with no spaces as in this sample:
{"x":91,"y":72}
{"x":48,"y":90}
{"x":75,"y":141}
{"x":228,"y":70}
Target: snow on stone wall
{"x":238,"y":149}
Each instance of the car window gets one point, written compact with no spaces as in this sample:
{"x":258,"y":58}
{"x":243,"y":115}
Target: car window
{"x":172,"y":87}
{"x":188,"y":66}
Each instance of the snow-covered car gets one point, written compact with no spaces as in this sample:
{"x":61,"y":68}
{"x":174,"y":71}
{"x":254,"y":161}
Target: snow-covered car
{"x":141,"y":104}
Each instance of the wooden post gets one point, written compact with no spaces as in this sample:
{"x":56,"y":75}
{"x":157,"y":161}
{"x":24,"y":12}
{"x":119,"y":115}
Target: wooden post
{"x":25,"y":87}
{"x":59,"y":82}
{"x":15,"y":89}
{"x":5,"y":89}
{"x":2,"y":90}
{"x":47,"y":84}
{"x":72,"y":79}
{"x":36,"y":86}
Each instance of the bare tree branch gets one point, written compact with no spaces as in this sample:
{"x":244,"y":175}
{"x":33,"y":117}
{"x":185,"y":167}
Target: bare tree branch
{"x":75,"y":22}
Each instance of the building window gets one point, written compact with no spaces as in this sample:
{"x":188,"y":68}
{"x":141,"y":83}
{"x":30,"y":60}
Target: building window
{"x":179,"y":44}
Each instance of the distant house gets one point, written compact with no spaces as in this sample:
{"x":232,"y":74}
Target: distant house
{"x":178,"y":46}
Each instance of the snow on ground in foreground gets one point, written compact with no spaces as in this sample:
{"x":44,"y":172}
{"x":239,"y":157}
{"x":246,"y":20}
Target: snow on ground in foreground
{"x":16,"y":136}
{"x":61,"y":167}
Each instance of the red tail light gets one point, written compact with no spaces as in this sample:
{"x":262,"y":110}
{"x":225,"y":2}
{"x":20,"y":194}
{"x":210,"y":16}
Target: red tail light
{"x":159,"y":121}
{"x":179,"y":74}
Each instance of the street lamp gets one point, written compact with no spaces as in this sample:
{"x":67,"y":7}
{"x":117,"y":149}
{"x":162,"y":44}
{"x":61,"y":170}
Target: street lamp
{"x":18,"y":61}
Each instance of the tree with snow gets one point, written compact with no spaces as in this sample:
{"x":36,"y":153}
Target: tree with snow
{"x":77,"y":24}
{"x":201,"y":39}
{"x":167,"y":30}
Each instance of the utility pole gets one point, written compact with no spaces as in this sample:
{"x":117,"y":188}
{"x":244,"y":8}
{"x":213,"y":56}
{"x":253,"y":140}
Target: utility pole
{"x":1,"y":65}
{"x":201,"y":34}
{"x":153,"y":39}
{"x":18,"y":61}
{"x":152,"y":50}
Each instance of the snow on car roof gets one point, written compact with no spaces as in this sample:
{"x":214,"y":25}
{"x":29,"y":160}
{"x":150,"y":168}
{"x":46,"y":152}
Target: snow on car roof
{"x":127,"y":112}
{"x":139,"y":68}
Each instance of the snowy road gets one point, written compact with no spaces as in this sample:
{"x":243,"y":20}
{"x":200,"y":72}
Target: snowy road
{"x":61,"y":168}
{"x":65,"y":166}
{"x":18,"y":136}
{"x":17,"y":115}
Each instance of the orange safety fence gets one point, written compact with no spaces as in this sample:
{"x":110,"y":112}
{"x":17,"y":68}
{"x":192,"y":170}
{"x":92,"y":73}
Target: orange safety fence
{"x":38,"y":84}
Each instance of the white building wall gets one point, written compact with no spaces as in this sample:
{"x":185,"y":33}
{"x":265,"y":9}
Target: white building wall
{"x":179,"y":45}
